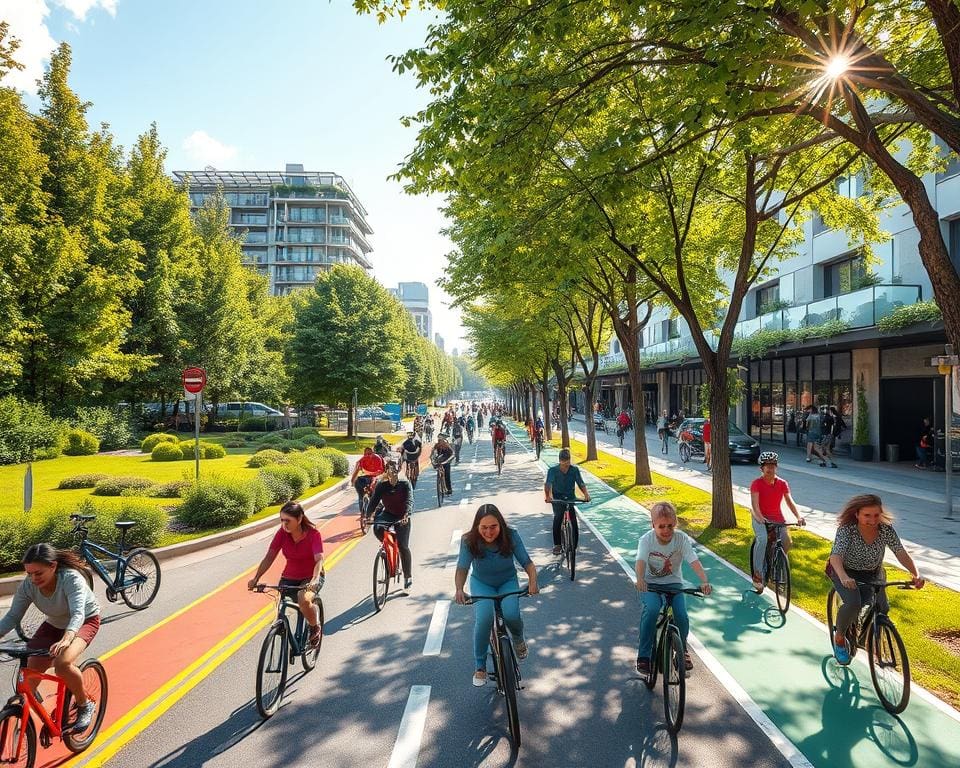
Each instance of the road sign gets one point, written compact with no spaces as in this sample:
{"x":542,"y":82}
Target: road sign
{"x":194,"y":379}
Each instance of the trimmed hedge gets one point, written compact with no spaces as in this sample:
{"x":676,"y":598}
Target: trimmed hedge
{"x":313,"y":441}
{"x":166,"y":451}
{"x":114,"y":486}
{"x":172,"y":490}
{"x":80,"y":443}
{"x":338,"y":459}
{"x":318,"y":467}
{"x":81,"y":481}
{"x":219,"y":502}
{"x":284,"y":481}
{"x":298,"y":433}
{"x":265,"y":457}
{"x":152,"y":441}
{"x":207,"y":450}
{"x":288,"y":446}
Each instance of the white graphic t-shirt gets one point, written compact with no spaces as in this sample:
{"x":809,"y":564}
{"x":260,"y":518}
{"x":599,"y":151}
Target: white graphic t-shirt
{"x":664,"y":561}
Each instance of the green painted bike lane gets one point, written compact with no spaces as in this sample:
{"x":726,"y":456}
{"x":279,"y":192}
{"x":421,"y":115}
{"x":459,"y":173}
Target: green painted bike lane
{"x":830,"y":713}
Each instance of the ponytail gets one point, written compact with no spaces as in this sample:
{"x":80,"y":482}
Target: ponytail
{"x":47,"y":554}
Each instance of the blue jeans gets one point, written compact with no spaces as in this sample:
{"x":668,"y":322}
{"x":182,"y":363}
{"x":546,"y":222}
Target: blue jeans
{"x":650,"y":605}
{"x":483,"y":616}
{"x":760,"y":534}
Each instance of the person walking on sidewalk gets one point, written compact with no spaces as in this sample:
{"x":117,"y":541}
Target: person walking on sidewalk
{"x":814,"y":435}
{"x":663,"y":431}
{"x":924,"y":445}
{"x":827,"y":423}
{"x":767,"y":495}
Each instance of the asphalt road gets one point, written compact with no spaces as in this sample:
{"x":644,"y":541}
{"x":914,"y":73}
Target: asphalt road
{"x":582,"y":703}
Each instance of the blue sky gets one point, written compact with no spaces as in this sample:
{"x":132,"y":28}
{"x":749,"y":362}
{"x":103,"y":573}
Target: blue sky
{"x":250,"y":85}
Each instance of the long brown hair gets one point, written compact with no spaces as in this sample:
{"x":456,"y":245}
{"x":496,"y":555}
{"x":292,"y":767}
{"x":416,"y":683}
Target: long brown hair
{"x":849,"y":514}
{"x":475,"y":541}
{"x":47,"y":554}
{"x":293,"y":509}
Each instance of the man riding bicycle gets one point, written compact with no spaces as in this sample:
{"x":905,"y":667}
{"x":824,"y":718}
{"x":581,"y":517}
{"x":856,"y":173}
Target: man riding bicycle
{"x":471,"y":427}
{"x":498,"y":434}
{"x":396,"y":496}
{"x":410,"y":450}
{"x":381,"y":447}
{"x":428,"y":427}
{"x":369,"y":467}
{"x":442,"y":455}
{"x":560,"y":486}
{"x":457,"y":435}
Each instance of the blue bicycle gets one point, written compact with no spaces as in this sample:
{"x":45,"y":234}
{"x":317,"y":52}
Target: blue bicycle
{"x":136,"y":573}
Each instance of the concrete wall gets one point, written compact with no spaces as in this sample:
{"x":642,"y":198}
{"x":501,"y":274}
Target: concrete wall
{"x":866,"y":363}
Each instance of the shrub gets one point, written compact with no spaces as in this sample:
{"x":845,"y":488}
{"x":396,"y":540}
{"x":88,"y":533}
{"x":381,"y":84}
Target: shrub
{"x":171,"y":490}
{"x":235,"y":444}
{"x":288,"y":446}
{"x":313,"y":441}
{"x":295,"y":478}
{"x":166,"y":451}
{"x":213,"y":450}
{"x":338,"y":459}
{"x":265,"y":457}
{"x":274,"y":438}
{"x":152,"y":441}
{"x":276,"y":488}
{"x":299,"y":433}
{"x":80,"y":443}
{"x":27,"y":432}
{"x":81,"y":481}
{"x":254,"y":425}
{"x":151,"y":522}
{"x":318,"y":467}
{"x":114,"y":486}
{"x":262,"y":495}
{"x":217,"y":503}
{"x":110,"y":425}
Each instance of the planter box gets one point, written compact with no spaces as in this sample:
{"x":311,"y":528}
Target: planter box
{"x":861,"y":452}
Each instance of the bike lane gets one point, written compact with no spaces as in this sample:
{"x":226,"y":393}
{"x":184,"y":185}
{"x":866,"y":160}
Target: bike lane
{"x":830,"y":714}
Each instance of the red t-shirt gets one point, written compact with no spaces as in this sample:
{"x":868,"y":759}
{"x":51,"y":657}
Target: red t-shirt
{"x":706,"y":431}
{"x":301,"y":556}
{"x":771,"y":498}
{"x":372,"y":464}
{"x":499,"y":433}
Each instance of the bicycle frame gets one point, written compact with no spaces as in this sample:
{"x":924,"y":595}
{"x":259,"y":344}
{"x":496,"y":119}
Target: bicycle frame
{"x":88,"y":550}
{"x":24,"y":693}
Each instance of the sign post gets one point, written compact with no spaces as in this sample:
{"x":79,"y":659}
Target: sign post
{"x":947,"y":365}
{"x":194,"y":380}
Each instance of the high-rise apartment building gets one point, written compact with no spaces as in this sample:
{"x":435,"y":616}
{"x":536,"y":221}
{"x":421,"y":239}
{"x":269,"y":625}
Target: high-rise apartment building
{"x":438,"y":340}
{"x":416,"y":298}
{"x":293,"y":223}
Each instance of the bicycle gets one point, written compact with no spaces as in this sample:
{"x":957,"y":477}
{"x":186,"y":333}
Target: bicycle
{"x":136,"y":574}
{"x":412,"y":469}
{"x":498,"y":455}
{"x":506,"y":669}
{"x":441,"y":480}
{"x":282,"y":645}
{"x":620,"y":433}
{"x":386,"y":563}
{"x":18,"y":730}
{"x":469,"y":436}
{"x":776,"y":565}
{"x":688,"y":447}
{"x":886,"y":653}
{"x":538,"y":443}
{"x":668,"y":652}
{"x":568,"y":552}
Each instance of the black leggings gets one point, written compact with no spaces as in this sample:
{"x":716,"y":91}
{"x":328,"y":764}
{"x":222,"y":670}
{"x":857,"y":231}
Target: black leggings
{"x":402,"y":532}
{"x":559,"y":507}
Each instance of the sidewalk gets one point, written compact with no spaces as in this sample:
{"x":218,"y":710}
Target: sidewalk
{"x":915,"y":497}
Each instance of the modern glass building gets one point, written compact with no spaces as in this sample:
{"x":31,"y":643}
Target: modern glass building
{"x":293,"y":224}
{"x":416,"y":298}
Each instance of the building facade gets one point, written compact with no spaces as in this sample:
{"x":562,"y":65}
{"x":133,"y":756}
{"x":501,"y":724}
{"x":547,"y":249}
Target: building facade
{"x":416,"y":298}
{"x":827,"y":279}
{"x":293,"y":224}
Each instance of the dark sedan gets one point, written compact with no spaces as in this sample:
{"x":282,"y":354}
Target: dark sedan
{"x":742,"y":446}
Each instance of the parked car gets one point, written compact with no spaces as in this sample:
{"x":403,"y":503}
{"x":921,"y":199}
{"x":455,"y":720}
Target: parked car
{"x":742,"y":446}
{"x":599,"y":422}
{"x":249,"y":411}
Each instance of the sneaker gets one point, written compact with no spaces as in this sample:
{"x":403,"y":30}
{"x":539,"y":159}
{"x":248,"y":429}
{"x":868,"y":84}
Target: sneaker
{"x":833,"y":466}
{"x":841,"y":653}
{"x":808,"y":459}
{"x":315,"y":636}
{"x":643,"y":666}
{"x":521,"y":648}
{"x":407,"y":583}
{"x":85,"y":715}
{"x":557,"y":550}
{"x":687,"y":661}
{"x":823,"y":463}
{"x":480,"y":678}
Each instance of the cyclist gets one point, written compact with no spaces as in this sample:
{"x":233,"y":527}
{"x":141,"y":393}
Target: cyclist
{"x":396,"y":495}
{"x":418,"y":425}
{"x":560,"y":485}
{"x":864,"y":531}
{"x":498,"y":435}
{"x":663,"y":432}
{"x":767,"y":495}
{"x":428,"y":427}
{"x":457,"y":435}
{"x":661,"y":553}
{"x":57,"y":584}
{"x":368,"y":468}
{"x":471,"y":426}
{"x":410,"y":450}
{"x":488,"y":551}
{"x":381,"y":447}
{"x":623,"y":421}
{"x":442,"y":455}
{"x":302,"y":547}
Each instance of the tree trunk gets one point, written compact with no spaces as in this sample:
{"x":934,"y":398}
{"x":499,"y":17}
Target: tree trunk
{"x":723,"y":515}
{"x":547,"y":412}
{"x":564,"y":404}
{"x":588,"y":391}
{"x":641,"y":474}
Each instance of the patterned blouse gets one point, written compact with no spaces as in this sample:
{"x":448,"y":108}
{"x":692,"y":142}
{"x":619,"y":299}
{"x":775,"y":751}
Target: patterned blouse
{"x":860,"y":556}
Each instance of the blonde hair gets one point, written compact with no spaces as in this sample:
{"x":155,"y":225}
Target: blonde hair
{"x":850,"y":510}
{"x":662,"y":509}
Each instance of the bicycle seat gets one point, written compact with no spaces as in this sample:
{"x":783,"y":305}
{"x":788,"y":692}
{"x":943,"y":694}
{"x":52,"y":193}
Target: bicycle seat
{"x":20,"y":651}
{"x":125,"y":525}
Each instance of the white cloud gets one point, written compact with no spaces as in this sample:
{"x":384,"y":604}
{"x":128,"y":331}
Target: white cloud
{"x":28,"y":24}
{"x":206,"y":150}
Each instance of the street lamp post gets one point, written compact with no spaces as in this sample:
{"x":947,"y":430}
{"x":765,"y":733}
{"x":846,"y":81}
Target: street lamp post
{"x":946,"y":365}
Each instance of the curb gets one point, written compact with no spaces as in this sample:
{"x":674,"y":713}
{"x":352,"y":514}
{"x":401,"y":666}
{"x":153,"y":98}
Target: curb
{"x":9,"y":584}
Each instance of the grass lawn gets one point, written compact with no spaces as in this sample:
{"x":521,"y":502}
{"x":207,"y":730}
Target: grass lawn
{"x":921,"y":616}
{"x":341,"y":442}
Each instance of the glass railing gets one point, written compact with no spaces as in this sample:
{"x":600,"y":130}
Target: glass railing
{"x":339,"y":220}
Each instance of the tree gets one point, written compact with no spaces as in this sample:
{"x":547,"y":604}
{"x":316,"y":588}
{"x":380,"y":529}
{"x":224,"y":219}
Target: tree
{"x":347,"y":339}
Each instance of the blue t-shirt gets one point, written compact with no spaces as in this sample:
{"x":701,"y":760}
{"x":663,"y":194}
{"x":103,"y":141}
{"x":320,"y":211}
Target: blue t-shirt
{"x":564,"y":484}
{"x":492,"y":568}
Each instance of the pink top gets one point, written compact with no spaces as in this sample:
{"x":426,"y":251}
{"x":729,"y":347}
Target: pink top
{"x":771,"y":497}
{"x":301,"y":556}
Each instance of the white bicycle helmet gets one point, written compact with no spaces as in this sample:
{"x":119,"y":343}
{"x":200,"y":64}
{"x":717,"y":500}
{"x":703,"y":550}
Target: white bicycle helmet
{"x":768,"y":457}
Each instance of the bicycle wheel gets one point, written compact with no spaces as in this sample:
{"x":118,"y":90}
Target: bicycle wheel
{"x":141,"y":578}
{"x":651,"y":679}
{"x":310,"y":654}
{"x":781,"y":581}
{"x":499,"y":461}
{"x":674,"y":679}
{"x":95,"y":686}
{"x":381,"y":580}
{"x":510,"y":681}
{"x":439,"y":488}
{"x":684,"y":453}
{"x":889,"y":666}
{"x":539,"y":445}
{"x":272,"y":669}
{"x":569,"y":553}
{"x":364,"y":523}
{"x":833,"y":605}
{"x":11,"y":727}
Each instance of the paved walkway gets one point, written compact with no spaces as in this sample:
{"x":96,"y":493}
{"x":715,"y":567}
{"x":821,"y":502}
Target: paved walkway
{"x":915,"y":497}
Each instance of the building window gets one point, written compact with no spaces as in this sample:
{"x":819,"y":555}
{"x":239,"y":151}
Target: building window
{"x":616,"y":346}
{"x":819,"y":225}
{"x":850,"y":186}
{"x":844,"y":276}
{"x":767,"y":298}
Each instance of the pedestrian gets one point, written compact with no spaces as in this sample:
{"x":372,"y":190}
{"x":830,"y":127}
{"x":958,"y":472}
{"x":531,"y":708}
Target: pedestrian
{"x":924,"y":444}
{"x":663,"y":430}
{"x":814,"y":435}
{"x":707,"y":453}
{"x":838,"y":426}
{"x":826,"y":430}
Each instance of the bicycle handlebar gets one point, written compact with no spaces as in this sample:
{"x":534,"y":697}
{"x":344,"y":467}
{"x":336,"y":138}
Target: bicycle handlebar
{"x":878,"y":584}
{"x":662,"y":590}
{"x":381,"y":524}
{"x":20,"y":651}
{"x":471,"y":599}
{"x":83,"y":518}
{"x":261,"y":588}
{"x":574,"y":502}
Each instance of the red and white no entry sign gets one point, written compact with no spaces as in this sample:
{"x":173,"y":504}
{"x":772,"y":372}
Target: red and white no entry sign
{"x":194,"y":380}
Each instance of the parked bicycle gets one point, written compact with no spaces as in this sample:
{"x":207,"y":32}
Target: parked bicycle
{"x":282,"y":645}
{"x":136,"y":574}
{"x":668,"y":658}
{"x":23,"y":710}
{"x":386,"y":564}
{"x":776,"y":564}
{"x":506,"y":669}
{"x":886,"y":653}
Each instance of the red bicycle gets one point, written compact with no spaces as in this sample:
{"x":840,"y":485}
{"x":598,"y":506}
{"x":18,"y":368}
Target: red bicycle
{"x":18,"y":731}
{"x":386,"y":564}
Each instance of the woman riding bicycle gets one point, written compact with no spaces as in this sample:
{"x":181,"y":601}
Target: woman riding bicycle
{"x":58,"y":584}
{"x":767,"y":495}
{"x":396,"y":495}
{"x":865,"y":530}
{"x":302,"y":547}
{"x":491,"y":547}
